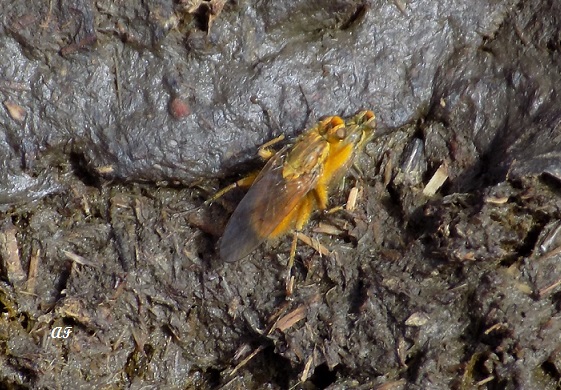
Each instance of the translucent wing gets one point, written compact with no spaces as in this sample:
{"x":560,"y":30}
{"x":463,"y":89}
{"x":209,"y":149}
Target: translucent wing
{"x":270,"y":199}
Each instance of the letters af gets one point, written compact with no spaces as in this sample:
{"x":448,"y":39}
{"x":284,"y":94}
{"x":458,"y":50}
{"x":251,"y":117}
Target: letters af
{"x":61,"y":333}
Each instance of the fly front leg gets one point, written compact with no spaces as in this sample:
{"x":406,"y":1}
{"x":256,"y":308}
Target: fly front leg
{"x":265,"y":151}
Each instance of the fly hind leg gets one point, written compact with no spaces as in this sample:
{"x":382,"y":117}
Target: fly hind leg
{"x":302,"y":215}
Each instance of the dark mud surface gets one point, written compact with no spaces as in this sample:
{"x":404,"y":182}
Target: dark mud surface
{"x":119,"y":119}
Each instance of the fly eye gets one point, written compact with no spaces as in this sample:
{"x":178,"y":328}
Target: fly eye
{"x":366,"y":118}
{"x":336,"y":122}
{"x":330,"y":125}
{"x":337,"y":134}
{"x":341,"y":133}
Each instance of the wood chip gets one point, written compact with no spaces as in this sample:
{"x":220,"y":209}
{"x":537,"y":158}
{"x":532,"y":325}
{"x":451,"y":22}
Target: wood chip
{"x":306,"y":372}
{"x":484,"y":381}
{"x":9,"y":253}
{"x":417,"y":319}
{"x":315,"y":244}
{"x":351,"y":200}
{"x":496,"y":200}
{"x":437,"y":180}
{"x":246,"y":360}
{"x":15,"y":110}
{"x":33,"y":270}
{"x":78,"y":259}
{"x":387,"y":171}
{"x":497,"y":326}
{"x":547,"y":290}
{"x":291,"y":318}
{"x":324,"y":228}
{"x":105,"y":169}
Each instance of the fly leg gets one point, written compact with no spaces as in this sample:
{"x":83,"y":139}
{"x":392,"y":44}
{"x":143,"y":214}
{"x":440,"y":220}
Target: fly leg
{"x":303,"y":213}
{"x":243,"y":182}
{"x":265,"y":152}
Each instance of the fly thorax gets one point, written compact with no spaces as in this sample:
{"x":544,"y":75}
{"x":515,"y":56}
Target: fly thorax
{"x":304,"y":159}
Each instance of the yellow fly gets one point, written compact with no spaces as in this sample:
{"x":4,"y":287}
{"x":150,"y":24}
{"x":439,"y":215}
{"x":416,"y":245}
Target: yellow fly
{"x":295,"y":182}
